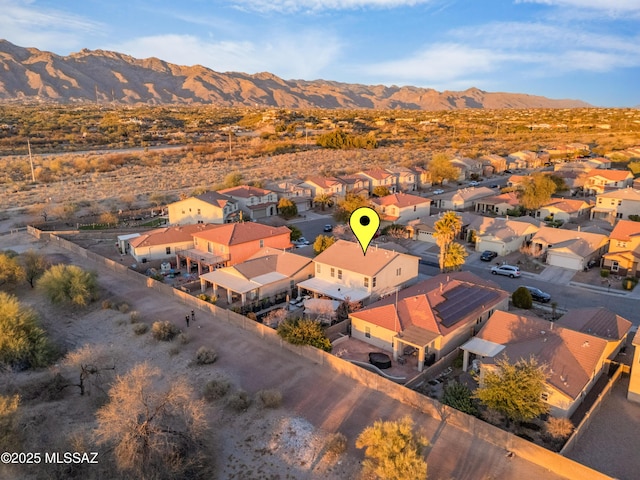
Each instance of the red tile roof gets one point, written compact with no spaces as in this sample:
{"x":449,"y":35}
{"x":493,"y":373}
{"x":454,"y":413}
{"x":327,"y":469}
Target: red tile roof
{"x":169,"y":235}
{"x":244,"y":191}
{"x":401,"y":200}
{"x":236,"y":233}
{"x":625,"y":229}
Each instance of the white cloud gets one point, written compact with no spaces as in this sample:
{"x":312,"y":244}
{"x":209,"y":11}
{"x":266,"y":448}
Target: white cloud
{"x":320,"y":5}
{"x":610,"y":6}
{"x":303,"y":55}
{"x":25,"y":24}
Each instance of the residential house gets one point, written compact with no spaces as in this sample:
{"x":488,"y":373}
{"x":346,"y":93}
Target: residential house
{"x":257,"y":202}
{"x":325,"y":186}
{"x":493,"y":164}
{"x":525,"y":159}
{"x":501,"y":235}
{"x":230,"y":244}
{"x":575,"y":360}
{"x":516,"y":180}
{"x":355,"y":185}
{"x":434,"y":316}
{"x":633,"y":394}
{"x":407,"y":178}
{"x":624,"y":249}
{"x":209,"y":207}
{"x":342,"y":271}
{"x":423,"y":228}
{"x":423,"y":177}
{"x":294,"y":190}
{"x":498,"y":204}
{"x":462,"y":199}
{"x":267,"y":274}
{"x":564,"y":209}
{"x":162,"y":243}
{"x":599,"y":162}
{"x":380,"y":177}
{"x":399,"y":208}
{"x":568,"y":248}
{"x":636,"y":183}
{"x":573,"y":179}
{"x":599,"y":181}
{"x":616,"y":204}
{"x":467,"y":166}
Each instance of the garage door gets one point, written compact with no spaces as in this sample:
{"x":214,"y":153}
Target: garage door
{"x":564,"y":261}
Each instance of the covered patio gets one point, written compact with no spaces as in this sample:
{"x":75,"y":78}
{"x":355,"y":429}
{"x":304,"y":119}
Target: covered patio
{"x":416,"y":338}
{"x":481,"y":348}
{"x":332,"y":290}
{"x":201,"y":258}
{"x":246,"y":289}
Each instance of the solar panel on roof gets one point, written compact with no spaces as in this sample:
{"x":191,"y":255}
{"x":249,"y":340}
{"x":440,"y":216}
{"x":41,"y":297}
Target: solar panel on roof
{"x":460,"y":301}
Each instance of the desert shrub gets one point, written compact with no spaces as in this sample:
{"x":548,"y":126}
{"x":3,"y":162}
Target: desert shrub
{"x":304,"y":332}
{"x":8,"y":422}
{"x":183,"y":338}
{"x":270,"y":398}
{"x":559,"y":428}
{"x":164,"y":331}
{"x":140,"y":328}
{"x":106,"y":304}
{"x":458,"y":362}
{"x":205,"y":356}
{"x":336,"y":444}
{"x":493,"y":417}
{"x":204,"y":297}
{"x":459,"y":396}
{"x":252,"y":316}
{"x":239,"y":401}
{"x":69,"y":284}
{"x":123,"y":308}
{"x":175,"y":350}
{"x":134,"y":316}
{"x":521,"y":298}
{"x":216,"y":389}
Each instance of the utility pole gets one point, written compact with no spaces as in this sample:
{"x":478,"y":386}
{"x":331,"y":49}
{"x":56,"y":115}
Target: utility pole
{"x":33,"y":175}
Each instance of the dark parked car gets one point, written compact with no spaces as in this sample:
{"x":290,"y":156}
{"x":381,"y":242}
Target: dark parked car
{"x":328,"y":228}
{"x":488,"y":255}
{"x":538,"y":295}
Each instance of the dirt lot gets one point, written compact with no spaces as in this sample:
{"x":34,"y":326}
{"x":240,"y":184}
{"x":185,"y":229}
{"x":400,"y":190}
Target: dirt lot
{"x":259,"y":443}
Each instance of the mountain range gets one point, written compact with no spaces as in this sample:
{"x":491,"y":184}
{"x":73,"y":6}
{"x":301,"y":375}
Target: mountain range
{"x":29,"y":74}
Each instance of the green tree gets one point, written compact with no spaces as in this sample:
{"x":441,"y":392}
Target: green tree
{"x":34,"y":265}
{"x":380,"y":191}
{"x":156,"y":433}
{"x":304,"y":332}
{"x":347,"y":206}
{"x":287,"y":208}
{"x":393,"y":451}
{"x":11,"y":272}
{"x":441,"y":169}
{"x":324,"y":200}
{"x":23,"y":343}
{"x":460,"y":397}
{"x":233,"y":180}
{"x":514,"y":389}
{"x":296,"y":233}
{"x":536,"y":191}
{"x":69,"y":284}
{"x":446,"y":230}
{"x":454,"y":257}
{"x":521,"y":298}
{"x":322,"y":243}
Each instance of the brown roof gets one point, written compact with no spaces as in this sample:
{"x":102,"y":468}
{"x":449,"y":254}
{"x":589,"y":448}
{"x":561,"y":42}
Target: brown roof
{"x":324,"y":182}
{"x":612,"y":175}
{"x":236,"y":233}
{"x":559,"y":237}
{"x":439,"y":305}
{"x":625,"y":229}
{"x":214,"y":198}
{"x":567,"y":205}
{"x":596,"y":321}
{"x":169,"y":235}
{"x":400,"y":200}
{"x":245,"y":191}
{"x":269,"y":260}
{"x":349,"y":256}
{"x":377,"y":173}
{"x":622,"y":194}
{"x":571,"y":356}
{"x":510,"y":198}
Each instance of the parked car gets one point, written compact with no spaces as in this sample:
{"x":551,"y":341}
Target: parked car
{"x":474,"y":184}
{"x":538,"y":295}
{"x":493,"y":185}
{"x":508,"y":270}
{"x":488,"y":255}
{"x":328,"y":228}
{"x":438,"y":191}
{"x":301,"y":242}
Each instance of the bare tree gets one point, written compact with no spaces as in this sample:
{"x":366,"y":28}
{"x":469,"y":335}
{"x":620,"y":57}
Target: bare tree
{"x":156,"y":433}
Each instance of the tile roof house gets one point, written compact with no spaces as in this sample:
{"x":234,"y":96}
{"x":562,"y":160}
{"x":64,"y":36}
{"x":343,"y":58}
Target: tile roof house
{"x":342,"y":270}
{"x":407,"y":178}
{"x":295,"y":191}
{"x":498,"y":204}
{"x":574,"y":359}
{"x":564,"y":209}
{"x":399,"y":208}
{"x":624,"y":249}
{"x":599,"y":181}
{"x":269,"y":273}
{"x":256,"y":202}
{"x":325,"y":186}
{"x":380,"y":177}
{"x":497,"y":163}
{"x":434,"y":316}
{"x":502,"y":235}
{"x":354,"y":184}
{"x":233,"y":243}
{"x":423,"y":176}
{"x":568,"y":248}
{"x":633,"y":394}
{"x":209,"y":207}
{"x":462,"y":199}
{"x":616,"y":204}
{"x":162,"y":243}
{"x":423,"y":228}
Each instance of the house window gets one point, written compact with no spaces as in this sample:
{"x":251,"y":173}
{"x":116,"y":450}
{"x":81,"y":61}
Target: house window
{"x":622,"y":244}
{"x":373,"y":283}
{"x":292,"y":284}
{"x":333,"y":272}
{"x":168,"y":250}
{"x":261,"y":243}
{"x":366,"y":282}
{"x":615,"y":266}
{"x":209,"y":247}
{"x":398,"y":271}
{"x":367,"y":332}
{"x":414,"y":208}
{"x":339,"y":274}
{"x":317,"y":268}
{"x":545,"y":397}
{"x":183,"y":212}
{"x":199,"y":212}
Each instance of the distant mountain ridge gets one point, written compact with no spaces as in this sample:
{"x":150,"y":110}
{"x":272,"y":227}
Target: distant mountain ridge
{"x":29,"y":74}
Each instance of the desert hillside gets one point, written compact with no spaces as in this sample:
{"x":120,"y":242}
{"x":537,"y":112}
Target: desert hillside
{"x":29,"y":74}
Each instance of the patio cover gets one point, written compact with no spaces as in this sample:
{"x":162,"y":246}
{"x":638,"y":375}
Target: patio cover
{"x":230,"y":282}
{"x":481,"y":347}
{"x":334,"y":290}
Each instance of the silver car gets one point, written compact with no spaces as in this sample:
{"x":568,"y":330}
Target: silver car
{"x":509,"y":270}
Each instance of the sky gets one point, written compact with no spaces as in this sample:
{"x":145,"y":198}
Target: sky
{"x":577,"y":49}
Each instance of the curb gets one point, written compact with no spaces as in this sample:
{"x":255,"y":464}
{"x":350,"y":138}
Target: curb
{"x":604,"y":291}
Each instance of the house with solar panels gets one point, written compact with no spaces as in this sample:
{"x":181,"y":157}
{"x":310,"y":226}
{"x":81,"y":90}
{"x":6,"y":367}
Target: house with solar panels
{"x":434,"y":316}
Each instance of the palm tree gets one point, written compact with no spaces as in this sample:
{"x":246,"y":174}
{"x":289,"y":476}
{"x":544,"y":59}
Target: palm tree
{"x":456,"y":253}
{"x":324,"y":200}
{"x":446,"y":230}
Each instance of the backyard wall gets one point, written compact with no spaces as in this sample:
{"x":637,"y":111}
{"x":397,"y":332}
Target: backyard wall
{"x":485,"y":431}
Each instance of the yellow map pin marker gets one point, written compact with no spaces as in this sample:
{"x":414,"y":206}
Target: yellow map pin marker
{"x":364,"y":222}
